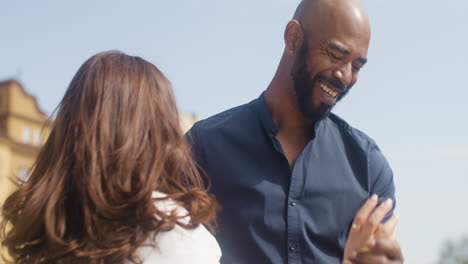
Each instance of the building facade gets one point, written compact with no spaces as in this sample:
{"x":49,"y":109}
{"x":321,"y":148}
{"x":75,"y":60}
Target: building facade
{"x":23,"y":130}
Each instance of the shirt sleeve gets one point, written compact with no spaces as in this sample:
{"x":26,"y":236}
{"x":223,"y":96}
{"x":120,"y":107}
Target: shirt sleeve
{"x":381,"y":177}
{"x":197,"y":151}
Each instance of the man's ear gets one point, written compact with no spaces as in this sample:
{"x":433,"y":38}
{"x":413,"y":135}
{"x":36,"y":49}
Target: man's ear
{"x":293,"y":37}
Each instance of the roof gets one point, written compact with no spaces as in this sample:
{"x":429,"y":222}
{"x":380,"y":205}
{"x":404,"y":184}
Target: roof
{"x":13,"y":82}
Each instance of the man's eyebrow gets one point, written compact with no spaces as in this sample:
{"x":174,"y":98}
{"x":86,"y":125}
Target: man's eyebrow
{"x":341,"y":49}
{"x":338,"y":48}
{"x":362,"y":60}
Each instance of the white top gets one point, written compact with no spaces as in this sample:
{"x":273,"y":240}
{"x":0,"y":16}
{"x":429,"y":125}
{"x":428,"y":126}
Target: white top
{"x":181,"y":245}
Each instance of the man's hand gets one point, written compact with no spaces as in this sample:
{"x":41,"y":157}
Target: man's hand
{"x":385,"y":251}
{"x":388,"y":230}
{"x":367,"y":227}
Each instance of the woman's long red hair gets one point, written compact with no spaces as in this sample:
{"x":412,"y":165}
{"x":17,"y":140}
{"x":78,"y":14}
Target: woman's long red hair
{"x":115,"y":140}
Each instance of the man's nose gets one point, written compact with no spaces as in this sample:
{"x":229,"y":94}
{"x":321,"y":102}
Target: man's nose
{"x":344,"y":74}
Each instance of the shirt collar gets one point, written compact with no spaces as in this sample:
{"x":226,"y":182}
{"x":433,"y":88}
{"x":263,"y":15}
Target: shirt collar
{"x":265,"y":117}
{"x":267,"y":122}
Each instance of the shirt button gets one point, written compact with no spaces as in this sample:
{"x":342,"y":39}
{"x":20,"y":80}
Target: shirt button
{"x":292,"y":203}
{"x":292,"y":248}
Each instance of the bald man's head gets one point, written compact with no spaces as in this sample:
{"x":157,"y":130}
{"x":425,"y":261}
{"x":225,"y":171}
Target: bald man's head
{"x":324,"y":13}
{"x":300,"y":9}
{"x":326,"y":43}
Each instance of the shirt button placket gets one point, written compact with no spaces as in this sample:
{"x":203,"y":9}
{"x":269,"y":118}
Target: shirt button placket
{"x":292,"y":248}
{"x":292,"y":234}
{"x":293,"y":214}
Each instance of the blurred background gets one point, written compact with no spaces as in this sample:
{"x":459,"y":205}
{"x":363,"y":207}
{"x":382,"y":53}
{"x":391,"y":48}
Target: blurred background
{"x":411,"y":96}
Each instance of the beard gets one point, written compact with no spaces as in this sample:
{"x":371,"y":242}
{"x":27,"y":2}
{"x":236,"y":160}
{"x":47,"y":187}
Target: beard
{"x":304,"y":85}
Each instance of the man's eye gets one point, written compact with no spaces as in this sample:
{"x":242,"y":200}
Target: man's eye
{"x":356,"y":68}
{"x":336,"y":56}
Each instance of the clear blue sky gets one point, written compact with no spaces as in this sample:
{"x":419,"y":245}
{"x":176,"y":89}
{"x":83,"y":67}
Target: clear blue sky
{"x":411,"y":97}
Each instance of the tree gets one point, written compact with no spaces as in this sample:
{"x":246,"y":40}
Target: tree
{"x":454,"y":252}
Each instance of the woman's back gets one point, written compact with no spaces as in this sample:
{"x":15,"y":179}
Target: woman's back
{"x":89,"y":198}
{"x":180,"y":245}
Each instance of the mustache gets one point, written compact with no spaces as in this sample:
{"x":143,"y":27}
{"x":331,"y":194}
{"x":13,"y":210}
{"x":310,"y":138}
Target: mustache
{"x":333,"y":81}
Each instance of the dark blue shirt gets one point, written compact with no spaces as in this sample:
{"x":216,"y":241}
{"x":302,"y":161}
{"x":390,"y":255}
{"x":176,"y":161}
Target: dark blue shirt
{"x":272,"y":213}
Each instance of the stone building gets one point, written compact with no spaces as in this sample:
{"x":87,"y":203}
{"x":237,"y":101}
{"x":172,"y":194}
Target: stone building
{"x":23,"y":130}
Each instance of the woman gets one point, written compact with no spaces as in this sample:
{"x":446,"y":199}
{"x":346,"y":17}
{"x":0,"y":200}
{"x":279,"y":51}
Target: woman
{"x":114,"y":183}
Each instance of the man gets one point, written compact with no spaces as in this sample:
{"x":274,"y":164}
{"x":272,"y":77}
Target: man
{"x":289,"y":175}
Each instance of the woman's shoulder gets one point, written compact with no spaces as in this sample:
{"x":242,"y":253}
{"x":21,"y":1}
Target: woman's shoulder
{"x":181,"y":245}
{"x":168,"y":206}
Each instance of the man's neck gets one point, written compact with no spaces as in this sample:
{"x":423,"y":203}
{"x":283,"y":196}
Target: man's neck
{"x":283,"y":109}
{"x":294,"y":130}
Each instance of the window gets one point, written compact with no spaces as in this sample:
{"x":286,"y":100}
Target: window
{"x":37,"y":137}
{"x":26,"y":135}
{"x":23,"y":173}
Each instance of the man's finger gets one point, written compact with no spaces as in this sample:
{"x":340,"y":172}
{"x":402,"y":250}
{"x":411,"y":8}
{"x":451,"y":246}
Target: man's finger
{"x":377,"y":217}
{"x":392,"y":222}
{"x":389,"y":248}
{"x":388,"y":230}
{"x":394,"y":235}
{"x":364,"y":212}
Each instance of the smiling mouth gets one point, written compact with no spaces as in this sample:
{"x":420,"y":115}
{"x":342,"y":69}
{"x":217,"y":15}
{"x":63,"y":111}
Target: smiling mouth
{"x":328,"y":91}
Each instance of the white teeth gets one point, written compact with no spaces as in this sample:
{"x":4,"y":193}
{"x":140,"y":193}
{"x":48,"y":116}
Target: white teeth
{"x":328,"y":90}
